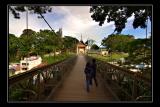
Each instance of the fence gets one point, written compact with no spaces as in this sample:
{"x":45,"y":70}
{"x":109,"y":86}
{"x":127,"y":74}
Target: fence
{"x":125,"y":84}
{"x":37,"y":84}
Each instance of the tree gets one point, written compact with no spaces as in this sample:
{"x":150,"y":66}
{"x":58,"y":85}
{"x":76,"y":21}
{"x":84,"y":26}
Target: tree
{"x":70,"y":43}
{"x":13,"y":47}
{"x":28,"y":32}
{"x":90,"y":42}
{"x":42,"y":42}
{"x":27,"y":40}
{"x":140,"y":51}
{"x":117,"y":42}
{"x":32,"y":9}
{"x":95,"y":47}
{"x":47,"y":42}
{"x":120,"y":14}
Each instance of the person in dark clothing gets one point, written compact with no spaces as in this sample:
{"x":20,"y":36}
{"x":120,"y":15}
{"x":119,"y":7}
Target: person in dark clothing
{"x":88,"y":71}
{"x":93,"y":73}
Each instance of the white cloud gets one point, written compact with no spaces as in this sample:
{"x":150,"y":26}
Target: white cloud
{"x":16,"y":26}
{"x":75,"y":20}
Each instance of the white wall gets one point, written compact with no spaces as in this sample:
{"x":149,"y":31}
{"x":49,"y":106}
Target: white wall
{"x":32,"y":63}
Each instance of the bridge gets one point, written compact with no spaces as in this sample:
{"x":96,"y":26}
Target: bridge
{"x":65,"y":81}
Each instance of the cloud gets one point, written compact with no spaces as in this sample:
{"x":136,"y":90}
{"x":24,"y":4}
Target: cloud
{"x":74,"y":20}
{"x":16,"y":26}
{"x":77,"y":18}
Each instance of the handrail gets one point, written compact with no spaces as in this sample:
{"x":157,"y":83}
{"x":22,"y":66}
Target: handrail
{"x":127,"y":85}
{"x":41,"y":81}
{"x":128,"y":72}
{"x":16,"y":78}
{"x":131,"y":74}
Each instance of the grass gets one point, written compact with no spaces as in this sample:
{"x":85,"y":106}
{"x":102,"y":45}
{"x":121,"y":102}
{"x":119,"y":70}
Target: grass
{"x":15,"y":61}
{"x":108,"y":58}
{"x":53,"y":59}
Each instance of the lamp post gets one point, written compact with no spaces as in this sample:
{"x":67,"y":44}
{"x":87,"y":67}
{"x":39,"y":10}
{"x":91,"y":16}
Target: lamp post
{"x":27,"y":33}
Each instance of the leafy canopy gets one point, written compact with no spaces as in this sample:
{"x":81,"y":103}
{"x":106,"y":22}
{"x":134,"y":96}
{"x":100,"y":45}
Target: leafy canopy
{"x":117,"y":42}
{"x":120,"y":14}
{"x":32,"y":9}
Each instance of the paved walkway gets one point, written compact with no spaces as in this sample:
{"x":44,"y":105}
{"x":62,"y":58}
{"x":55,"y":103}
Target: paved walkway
{"x":73,"y":87}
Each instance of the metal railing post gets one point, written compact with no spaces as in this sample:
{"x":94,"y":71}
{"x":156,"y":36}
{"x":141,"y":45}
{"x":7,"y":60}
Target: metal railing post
{"x":134,"y":88}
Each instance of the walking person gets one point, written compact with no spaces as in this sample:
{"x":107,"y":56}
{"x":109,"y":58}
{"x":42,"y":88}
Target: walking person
{"x":93,"y":73}
{"x":88,"y":71}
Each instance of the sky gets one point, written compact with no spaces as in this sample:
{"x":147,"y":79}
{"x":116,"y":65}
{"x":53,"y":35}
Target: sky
{"x":74,"y":21}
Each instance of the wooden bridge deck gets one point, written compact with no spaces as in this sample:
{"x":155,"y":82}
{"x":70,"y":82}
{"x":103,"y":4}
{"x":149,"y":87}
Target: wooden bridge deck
{"x":74,"y":87}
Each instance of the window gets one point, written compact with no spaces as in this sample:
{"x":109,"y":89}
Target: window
{"x":24,"y":68}
{"x":25,"y":63}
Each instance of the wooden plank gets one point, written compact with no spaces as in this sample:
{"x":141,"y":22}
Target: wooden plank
{"x":73,"y":87}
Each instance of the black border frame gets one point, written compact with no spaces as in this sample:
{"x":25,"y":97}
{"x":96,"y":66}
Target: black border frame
{"x":156,"y":24}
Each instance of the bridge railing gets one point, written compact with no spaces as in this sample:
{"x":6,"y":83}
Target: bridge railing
{"x":37,"y":84}
{"x":125,"y":84}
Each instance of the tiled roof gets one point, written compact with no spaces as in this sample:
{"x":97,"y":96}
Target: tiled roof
{"x":81,"y":43}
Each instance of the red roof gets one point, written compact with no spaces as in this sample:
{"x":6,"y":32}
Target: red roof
{"x":17,"y":68}
{"x":81,"y":44}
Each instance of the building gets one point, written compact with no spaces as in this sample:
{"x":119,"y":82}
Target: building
{"x":104,"y":52}
{"x":14,"y":69}
{"x":29,"y":63}
{"x":59,"y":32}
{"x":88,"y":47}
{"x":89,"y":44}
{"x":81,"y":47}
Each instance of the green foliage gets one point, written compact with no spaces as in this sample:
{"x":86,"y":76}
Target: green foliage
{"x":41,"y":43}
{"x":108,"y":58}
{"x":26,"y":41}
{"x":16,"y":95}
{"x":90,"y":42}
{"x":32,"y":9}
{"x":140,"y":51}
{"x":13,"y":46}
{"x":117,"y":42}
{"x":53,"y":59}
{"x":70,"y":43}
{"x":95,"y":47}
{"x":120,"y":14}
{"x":28,"y":32}
{"x":47,"y":41}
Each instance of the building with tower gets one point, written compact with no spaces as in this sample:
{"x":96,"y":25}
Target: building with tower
{"x":60,"y":31}
{"x":81,"y":47}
